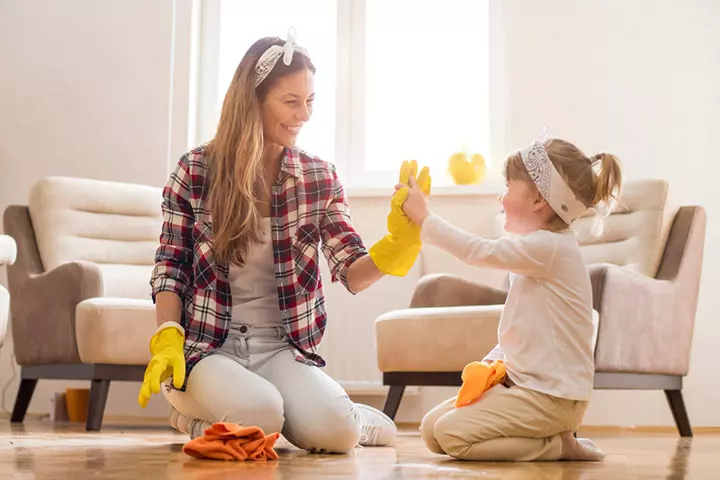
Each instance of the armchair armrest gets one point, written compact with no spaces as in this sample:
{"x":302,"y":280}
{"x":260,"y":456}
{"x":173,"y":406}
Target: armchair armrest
{"x":443,"y":290}
{"x":43,"y":312}
{"x":646,"y":325}
{"x":43,"y":303}
{"x":435,"y":339}
{"x":8,"y":250}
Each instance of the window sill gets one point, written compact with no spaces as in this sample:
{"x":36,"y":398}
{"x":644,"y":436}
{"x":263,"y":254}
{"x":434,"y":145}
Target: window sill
{"x":484,"y":189}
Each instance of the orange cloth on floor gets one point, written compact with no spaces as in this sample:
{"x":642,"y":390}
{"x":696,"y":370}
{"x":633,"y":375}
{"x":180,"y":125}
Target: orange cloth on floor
{"x":230,"y":441}
{"x":478,"y":377}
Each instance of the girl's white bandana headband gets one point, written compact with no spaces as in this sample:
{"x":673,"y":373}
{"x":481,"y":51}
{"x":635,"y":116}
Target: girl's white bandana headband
{"x":270,"y":57}
{"x":550,"y":184}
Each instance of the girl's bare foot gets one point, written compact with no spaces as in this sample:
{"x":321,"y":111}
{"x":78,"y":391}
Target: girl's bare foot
{"x":579,"y":449}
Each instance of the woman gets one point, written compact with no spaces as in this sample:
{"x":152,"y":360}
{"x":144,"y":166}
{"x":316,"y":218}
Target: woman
{"x":237,"y":288}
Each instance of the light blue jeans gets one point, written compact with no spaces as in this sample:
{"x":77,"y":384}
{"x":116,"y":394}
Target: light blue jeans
{"x":254,"y":380}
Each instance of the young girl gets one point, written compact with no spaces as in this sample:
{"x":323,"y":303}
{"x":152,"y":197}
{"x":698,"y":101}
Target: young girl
{"x":545,"y":332}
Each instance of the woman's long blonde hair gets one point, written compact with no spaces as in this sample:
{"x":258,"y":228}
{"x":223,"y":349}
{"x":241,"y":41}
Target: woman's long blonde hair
{"x":578,"y":171}
{"x":235,"y":155}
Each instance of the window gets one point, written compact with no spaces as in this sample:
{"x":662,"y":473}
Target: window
{"x":395,"y":80}
{"x":426,"y":82}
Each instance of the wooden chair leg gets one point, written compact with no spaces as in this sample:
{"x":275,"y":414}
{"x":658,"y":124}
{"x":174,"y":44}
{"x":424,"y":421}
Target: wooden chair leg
{"x":98,"y":397}
{"x":679,"y":413}
{"x":392,"y":402}
{"x":22,"y":400}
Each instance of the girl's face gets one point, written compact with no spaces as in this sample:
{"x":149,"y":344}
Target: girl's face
{"x":287,"y":107}
{"x":523,"y":206}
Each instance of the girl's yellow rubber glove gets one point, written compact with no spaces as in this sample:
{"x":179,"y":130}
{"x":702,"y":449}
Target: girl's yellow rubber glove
{"x":168,"y":359}
{"x":395,"y":254}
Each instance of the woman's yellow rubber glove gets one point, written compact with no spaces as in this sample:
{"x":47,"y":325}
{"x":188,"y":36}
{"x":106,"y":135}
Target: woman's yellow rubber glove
{"x":167,"y":359}
{"x":395,"y":254}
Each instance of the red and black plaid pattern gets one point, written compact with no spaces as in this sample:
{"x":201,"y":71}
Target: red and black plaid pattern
{"x":309,"y":209}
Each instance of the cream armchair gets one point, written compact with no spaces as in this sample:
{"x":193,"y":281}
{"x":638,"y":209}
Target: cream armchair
{"x":8,"y":252}
{"x":81,"y":307}
{"x":645,"y":269}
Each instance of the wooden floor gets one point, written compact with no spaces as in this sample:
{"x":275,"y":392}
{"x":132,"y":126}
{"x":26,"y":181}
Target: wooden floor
{"x":39,"y":450}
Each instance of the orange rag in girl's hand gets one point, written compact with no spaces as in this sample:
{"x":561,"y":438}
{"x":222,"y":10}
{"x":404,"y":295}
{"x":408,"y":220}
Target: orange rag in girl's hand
{"x":478,"y":377}
{"x":230,"y":441}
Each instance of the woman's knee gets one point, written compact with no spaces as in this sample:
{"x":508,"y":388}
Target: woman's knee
{"x":332,"y":431}
{"x":264,"y":411}
{"x":227,"y":392}
{"x":342,"y":437}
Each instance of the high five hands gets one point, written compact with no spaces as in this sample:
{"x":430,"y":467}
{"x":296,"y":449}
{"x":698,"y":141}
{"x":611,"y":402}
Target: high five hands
{"x":415,"y":204}
{"x":396,"y":253}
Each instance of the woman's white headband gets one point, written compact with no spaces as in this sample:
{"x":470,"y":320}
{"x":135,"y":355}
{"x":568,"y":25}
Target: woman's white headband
{"x":270,"y":57}
{"x":550,"y":184}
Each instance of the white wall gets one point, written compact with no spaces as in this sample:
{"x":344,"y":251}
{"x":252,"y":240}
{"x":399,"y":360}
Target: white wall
{"x":85,"y":91}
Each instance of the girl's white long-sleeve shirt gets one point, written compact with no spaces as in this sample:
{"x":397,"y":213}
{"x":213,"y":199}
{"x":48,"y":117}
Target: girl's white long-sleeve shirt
{"x":546,"y":331}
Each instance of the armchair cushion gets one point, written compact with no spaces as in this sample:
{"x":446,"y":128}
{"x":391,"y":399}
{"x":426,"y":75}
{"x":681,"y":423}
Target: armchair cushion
{"x":114,"y":225}
{"x":634,"y":235}
{"x":436,"y":339}
{"x":126,"y":281}
{"x":115,"y":330}
{"x":439,"y":339}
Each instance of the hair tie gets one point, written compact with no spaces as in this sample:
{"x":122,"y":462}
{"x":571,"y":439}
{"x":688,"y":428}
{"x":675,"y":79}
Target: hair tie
{"x":270,"y":57}
{"x":595,"y":159}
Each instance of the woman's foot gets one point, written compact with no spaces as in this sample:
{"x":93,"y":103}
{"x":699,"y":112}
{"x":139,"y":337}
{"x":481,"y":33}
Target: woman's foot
{"x":579,"y":449}
{"x":192,"y":427}
{"x":178,"y":421}
{"x":378,"y":430}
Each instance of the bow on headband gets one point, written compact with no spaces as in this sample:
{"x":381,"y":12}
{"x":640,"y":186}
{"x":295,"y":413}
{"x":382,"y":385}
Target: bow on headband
{"x":270,"y":57}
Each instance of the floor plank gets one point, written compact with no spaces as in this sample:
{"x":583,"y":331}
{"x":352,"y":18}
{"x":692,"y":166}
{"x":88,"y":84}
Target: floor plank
{"x":38,"y":449}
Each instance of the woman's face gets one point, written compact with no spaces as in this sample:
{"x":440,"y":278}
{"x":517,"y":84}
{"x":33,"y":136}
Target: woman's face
{"x":287,"y":107}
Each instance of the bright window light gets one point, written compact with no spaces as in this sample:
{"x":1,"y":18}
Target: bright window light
{"x":426,"y":81}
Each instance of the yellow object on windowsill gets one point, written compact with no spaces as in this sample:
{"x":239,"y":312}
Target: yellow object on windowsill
{"x":466,"y":169}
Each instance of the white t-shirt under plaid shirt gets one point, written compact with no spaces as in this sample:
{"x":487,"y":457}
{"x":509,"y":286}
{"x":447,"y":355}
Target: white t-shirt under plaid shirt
{"x":546,"y":331}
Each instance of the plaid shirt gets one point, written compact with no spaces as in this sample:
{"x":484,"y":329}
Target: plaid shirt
{"x":308,"y":207}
